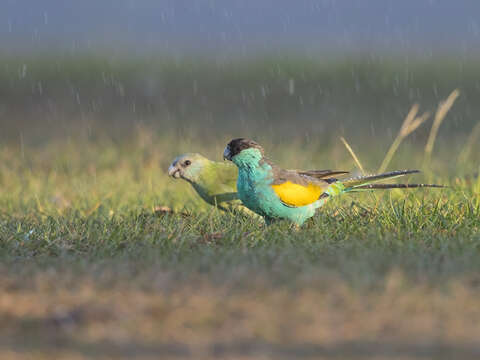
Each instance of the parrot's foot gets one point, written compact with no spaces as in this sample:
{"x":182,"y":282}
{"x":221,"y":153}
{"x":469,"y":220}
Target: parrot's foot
{"x":363,"y":211}
{"x":295,"y":227}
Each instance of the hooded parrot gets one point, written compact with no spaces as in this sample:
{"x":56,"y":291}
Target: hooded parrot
{"x":275,"y":193}
{"x":215,"y":182}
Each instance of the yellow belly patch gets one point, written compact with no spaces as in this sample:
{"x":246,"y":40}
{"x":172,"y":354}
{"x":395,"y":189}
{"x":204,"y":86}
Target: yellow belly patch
{"x":297,"y":195}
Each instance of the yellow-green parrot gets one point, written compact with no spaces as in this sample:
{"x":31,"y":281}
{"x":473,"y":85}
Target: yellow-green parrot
{"x":215,"y":182}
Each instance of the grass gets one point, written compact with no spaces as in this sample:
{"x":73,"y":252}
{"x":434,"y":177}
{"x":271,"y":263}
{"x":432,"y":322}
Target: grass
{"x":92,"y":266}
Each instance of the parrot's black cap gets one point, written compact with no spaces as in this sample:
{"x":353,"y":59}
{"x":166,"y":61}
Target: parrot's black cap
{"x":236,"y":146}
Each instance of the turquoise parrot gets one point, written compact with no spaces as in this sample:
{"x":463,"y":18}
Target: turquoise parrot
{"x":215,"y":182}
{"x":275,"y":193}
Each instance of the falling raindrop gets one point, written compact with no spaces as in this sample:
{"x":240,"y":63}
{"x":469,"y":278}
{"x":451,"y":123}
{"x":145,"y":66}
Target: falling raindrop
{"x":23,"y":71}
{"x":291,"y":86}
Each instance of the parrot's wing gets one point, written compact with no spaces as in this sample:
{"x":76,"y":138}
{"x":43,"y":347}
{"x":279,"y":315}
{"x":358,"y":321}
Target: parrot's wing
{"x":299,"y":188}
{"x":226,"y":174}
{"x":321,"y":174}
{"x":215,"y":182}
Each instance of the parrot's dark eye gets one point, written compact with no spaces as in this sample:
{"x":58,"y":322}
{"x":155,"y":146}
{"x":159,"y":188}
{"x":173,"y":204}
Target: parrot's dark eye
{"x":187,"y":162}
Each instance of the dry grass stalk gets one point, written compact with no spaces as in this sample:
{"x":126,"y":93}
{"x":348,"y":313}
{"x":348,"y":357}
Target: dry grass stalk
{"x":355,"y":158}
{"x":442,"y":110}
{"x":471,"y":141}
{"x":410,"y":124}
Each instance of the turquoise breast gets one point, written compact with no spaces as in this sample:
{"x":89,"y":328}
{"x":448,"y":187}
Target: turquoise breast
{"x":255,"y":177}
{"x":254,"y":189}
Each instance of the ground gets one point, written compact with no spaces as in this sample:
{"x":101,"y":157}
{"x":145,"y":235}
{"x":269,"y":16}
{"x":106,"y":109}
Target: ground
{"x":93,"y":266}
{"x":103,"y":256}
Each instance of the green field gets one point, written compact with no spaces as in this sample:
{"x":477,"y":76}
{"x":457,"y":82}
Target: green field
{"x":92,"y":267}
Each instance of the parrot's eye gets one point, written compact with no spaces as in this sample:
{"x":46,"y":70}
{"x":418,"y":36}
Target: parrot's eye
{"x":187,"y":162}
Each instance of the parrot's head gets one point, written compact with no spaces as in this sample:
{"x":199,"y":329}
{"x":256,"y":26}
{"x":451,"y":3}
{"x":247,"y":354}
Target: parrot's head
{"x":187,"y":166}
{"x":242,"y":146}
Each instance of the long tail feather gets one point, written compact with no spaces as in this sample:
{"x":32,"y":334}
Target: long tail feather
{"x":363,"y":180}
{"x":365,"y":183}
{"x":395,"y":186}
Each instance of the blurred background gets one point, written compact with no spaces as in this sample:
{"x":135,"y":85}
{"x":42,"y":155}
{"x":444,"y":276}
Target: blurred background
{"x":277,"y":71}
{"x":102,"y":254}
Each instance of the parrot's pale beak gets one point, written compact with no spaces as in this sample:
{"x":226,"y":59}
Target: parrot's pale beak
{"x":226,"y":153}
{"x":173,"y":171}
